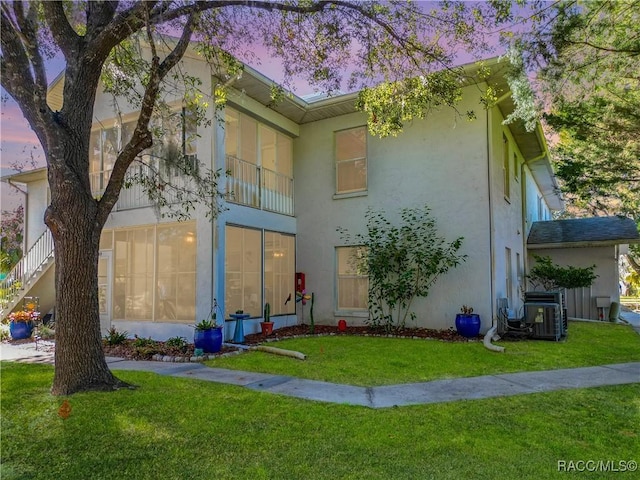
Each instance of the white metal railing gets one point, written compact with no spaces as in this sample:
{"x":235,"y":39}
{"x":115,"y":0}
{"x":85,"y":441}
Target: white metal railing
{"x":258,"y":187}
{"x":135,"y":196}
{"x":28,"y":266}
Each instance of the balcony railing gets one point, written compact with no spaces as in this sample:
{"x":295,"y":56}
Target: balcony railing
{"x":135,"y":196}
{"x":258,"y":187}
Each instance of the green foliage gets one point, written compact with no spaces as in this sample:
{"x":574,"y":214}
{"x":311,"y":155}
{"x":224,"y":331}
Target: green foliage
{"x":402,"y":261}
{"x":267,"y":312}
{"x":390,"y":105}
{"x":551,"y":276}
{"x":114,"y":337}
{"x":143,"y":342}
{"x":11,"y":238}
{"x":206,"y":324}
{"x":145,"y":347}
{"x":46,"y":332}
{"x":587,"y":55}
{"x":177,"y":343}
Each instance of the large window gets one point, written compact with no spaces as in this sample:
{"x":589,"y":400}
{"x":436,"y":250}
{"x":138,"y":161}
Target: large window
{"x":279,"y":271}
{"x":249,"y":283}
{"x":243,"y":268}
{"x":155,"y":273}
{"x":351,"y":160}
{"x":352,"y":282}
{"x":175,"y":138}
{"x":260,"y":164}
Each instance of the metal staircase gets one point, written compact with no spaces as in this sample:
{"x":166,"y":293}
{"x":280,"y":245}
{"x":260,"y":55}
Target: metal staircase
{"x":33,"y":265}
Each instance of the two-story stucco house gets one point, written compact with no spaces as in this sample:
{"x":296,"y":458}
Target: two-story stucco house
{"x":297,"y":171}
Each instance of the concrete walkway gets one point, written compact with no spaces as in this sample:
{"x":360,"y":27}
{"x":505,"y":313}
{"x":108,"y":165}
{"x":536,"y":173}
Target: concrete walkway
{"x":437,"y":391}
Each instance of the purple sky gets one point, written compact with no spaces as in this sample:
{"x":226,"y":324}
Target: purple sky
{"x":18,"y":143}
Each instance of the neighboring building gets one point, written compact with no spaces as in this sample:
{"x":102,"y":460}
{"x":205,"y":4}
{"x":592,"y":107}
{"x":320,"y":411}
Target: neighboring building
{"x":582,"y":242}
{"x":483,"y":180}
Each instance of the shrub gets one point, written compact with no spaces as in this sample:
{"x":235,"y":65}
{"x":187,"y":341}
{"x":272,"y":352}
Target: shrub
{"x":550,"y":276}
{"x":402,"y":262}
{"x":178,"y":344}
{"x":114,"y":337}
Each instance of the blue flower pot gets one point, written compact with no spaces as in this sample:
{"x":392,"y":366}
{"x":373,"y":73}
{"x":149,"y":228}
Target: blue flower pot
{"x":20,"y":330}
{"x":468,"y":325}
{"x":210,"y":341}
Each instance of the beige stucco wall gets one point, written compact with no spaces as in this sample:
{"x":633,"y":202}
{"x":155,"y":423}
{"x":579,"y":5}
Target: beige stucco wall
{"x":508,"y":210}
{"x":605,"y":285}
{"x":37,"y":202}
{"x":441,"y":162}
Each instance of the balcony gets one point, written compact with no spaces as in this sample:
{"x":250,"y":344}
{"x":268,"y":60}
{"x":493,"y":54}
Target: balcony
{"x":135,"y":196}
{"x":258,"y":187}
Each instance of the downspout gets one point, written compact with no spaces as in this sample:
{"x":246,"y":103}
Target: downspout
{"x":492,"y":331}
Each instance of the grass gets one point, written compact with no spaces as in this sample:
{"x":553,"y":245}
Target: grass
{"x":373,"y":361}
{"x":173,"y":428}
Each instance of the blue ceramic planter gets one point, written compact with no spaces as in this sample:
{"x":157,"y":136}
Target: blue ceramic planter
{"x":210,"y":341}
{"x":20,"y":330}
{"x":468,"y":325}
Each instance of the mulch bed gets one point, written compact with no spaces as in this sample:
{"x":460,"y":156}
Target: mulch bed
{"x":449,"y":335}
{"x":159,"y":350}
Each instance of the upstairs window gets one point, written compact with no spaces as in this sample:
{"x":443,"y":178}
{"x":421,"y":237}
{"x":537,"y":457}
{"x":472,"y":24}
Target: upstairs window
{"x":174,"y":136}
{"x":351,"y":160}
{"x":255,"y":143}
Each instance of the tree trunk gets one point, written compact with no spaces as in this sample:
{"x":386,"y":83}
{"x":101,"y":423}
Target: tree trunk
{"x":80,"y":364}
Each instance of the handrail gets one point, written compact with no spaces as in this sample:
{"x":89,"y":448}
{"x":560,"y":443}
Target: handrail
{"x":259,"y":187}
{"x":26,"y":268}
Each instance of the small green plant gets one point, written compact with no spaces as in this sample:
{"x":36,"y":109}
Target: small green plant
{"x":145,"y":347}
{"x":46,"y":333}
{"x":267,"y":312}
{"x":466,"y":310}
{"x":114,"y":337}
{"x":143,"y":342}
{"x":551,"y":276}
{"x":178,"y":344}
{"x":206,"y":324}
{"x":239,"y":312}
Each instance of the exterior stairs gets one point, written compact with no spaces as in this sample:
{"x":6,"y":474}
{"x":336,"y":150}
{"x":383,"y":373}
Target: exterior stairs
{"x":24,"y":276}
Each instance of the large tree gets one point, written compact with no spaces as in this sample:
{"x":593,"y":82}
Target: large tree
{"x":382,"y":42}
{"x":587,"y":58}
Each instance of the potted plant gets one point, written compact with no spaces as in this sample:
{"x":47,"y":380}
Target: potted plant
{"x":208,"y":335}
{"x":467,"y":322}
{"x":267,"y":325}
{"x":21,"y":323}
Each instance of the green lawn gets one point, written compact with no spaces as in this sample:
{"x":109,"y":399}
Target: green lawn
{"x":172,"y":428}
{"x":373,"y":361}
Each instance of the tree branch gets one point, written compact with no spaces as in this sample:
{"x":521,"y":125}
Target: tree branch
{"x":141,"y":137}
{"x":16,"y":76}
{"x":63,"y":34}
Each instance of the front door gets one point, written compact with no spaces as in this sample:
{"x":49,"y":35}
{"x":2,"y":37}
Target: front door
{"x":104,"y":290}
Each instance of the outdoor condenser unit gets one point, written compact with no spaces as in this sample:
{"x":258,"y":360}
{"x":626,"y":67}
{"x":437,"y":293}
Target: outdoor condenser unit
{"x":543,"y":310}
